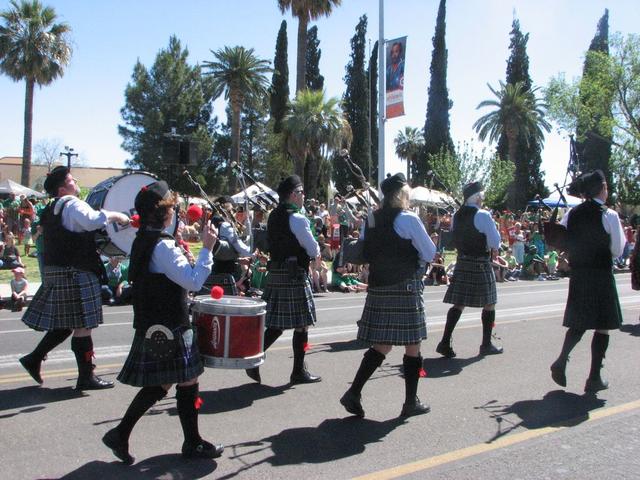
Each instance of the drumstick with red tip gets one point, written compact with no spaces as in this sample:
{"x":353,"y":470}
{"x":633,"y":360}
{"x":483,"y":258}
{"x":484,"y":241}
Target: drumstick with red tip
{"x":217,"y":292}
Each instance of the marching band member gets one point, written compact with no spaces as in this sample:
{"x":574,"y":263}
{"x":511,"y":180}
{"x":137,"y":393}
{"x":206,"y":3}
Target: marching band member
{"x":474,"y":283}
{"x":69,"y":299}
{"x":595,"y":236}
{"x":163,"y":351}
{"x":288,"y":291}
{"x":397,"y":248}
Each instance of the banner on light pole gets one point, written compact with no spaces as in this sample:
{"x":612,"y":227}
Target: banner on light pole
{"x":394,"y":76}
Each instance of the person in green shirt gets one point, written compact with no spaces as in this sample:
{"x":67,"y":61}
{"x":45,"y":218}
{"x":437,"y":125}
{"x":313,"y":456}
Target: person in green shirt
{"x":533,"y":264}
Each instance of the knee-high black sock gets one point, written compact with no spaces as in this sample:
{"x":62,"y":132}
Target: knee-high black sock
{"x":571,"y":339}
{"x":488,"y":318}
{"x":599,"y":345}
{"x":82,"y":347}
{"x":143,"y":401}
{"x":411,"y":366}
{"x":297,"y":342}
{"x":186,"y":398}
{"x":50,"y":341}
{"x":453,"y":315}
{"x":270,"y":336}
{"x":371,"y":360}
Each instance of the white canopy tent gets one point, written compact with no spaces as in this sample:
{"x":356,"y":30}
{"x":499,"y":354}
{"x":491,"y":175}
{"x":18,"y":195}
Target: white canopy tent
{"x":254,"y":191}
{"x":431,"y":198}
{"x":9,"y":186}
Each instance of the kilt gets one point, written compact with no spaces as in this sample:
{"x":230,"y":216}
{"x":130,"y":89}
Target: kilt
{"x":224,"y":280}
{"x":67,"y":298}
{"x":394,"y":314}
{"x":289,"y":302}
{"x":142,"y":370}
{"x":592,"y":302}
{"x":473,"y":283}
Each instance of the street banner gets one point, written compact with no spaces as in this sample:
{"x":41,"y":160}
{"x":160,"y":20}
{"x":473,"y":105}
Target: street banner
{"x":394,"y":79}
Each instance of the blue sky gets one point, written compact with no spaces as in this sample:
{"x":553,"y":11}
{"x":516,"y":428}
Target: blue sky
{"x":82,"y":109}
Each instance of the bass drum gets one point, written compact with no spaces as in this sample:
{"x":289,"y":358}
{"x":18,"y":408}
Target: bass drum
{"x":118,"y":194}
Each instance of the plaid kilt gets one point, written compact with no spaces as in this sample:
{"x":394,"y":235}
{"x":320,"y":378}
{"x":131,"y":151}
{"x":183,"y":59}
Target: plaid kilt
{"x":592,"y":302}
{"x":67,"y":298}
{"x":224,"y":280}
{"x":289,"y":302}
{"x":142,"y":370}
{"x":473,"y":283}
{"x":394,"y":314}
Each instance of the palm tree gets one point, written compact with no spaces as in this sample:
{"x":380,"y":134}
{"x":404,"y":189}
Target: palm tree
{"x":305,"y":11}
{"x":35,"y":49}
{"x":408,"y":146}
{"x":520,"y":116}
{"x":314,"y":125}
{"x":241,"y":76}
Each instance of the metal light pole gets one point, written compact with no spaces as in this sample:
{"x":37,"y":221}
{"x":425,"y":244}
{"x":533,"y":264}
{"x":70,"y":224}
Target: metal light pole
{"x":381,"y":95}
{"x":68,"y":152}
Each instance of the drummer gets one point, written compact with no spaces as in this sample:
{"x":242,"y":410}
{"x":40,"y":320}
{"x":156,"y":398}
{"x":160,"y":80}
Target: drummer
{"x":163,"y":350}
{"x":69,"y":299}
{"x":288,"y":291}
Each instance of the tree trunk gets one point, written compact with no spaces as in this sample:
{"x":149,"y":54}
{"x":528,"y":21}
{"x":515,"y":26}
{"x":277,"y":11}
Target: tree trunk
{"x":28,"y":132}
{"x":301,"y":66}
{"x":311,"y":182}
{"x":236,"y":108}
{"x":513,"y":197}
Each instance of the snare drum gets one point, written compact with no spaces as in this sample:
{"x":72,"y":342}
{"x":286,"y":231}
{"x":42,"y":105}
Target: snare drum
{"x":118,"y":194}
{"x":230,"y":331}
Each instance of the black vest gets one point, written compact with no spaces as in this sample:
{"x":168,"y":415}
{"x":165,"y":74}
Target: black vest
{"x":588,"y":243}
{"x":466,"y":237}
{"x":64,"y":248}
{"x":282,"y":242}
{"x":392,"y":259}
{"x":156,"y":299}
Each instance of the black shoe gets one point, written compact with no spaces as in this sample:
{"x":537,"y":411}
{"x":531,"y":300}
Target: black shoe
{"x":558,"y":373}
{"x":93,"y":382}
{"x":414,"y":408}
{"x":490,"y":349}
{"x":595,"y":385}
{"x":445,"y":350}
{"x":119,"y":447}
{"x":254,"y":374}
{"x":351,"y":402}
{"x":202,"y":449}
{"x":303,"y":376}
{"x":32,"y":366}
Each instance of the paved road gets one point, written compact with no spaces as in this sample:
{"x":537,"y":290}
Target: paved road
{"x":495,"y":417}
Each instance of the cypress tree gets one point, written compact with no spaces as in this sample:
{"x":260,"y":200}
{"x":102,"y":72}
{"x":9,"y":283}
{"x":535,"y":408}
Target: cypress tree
{"x":593,"y":144}
{"x":436,"y":128}
{"x":528,"y":177}
{"x":279,"y":98}
{"x":372,"y":74}
{"x":313,"y":79}
{"x":356,"y":109}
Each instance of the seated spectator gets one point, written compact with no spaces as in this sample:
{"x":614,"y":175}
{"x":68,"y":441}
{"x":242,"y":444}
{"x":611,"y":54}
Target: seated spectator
{"x":513,"y":271}
{"x":534,"y":265}
{"x":344,"y":281}
{"x":500,"y":266}
{"x":10,"y":255}
{"x":117,"y":291}
{"x":437,"y":272}
{"x":19,"y":289}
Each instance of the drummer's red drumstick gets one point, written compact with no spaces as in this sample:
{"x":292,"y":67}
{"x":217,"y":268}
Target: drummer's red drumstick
{"x":307,"y":346}
{"x":217,"y":292}
{"x":135,"y":221}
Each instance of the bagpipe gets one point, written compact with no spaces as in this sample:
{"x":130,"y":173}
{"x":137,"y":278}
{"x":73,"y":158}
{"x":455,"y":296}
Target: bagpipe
{"x":555,"y":234}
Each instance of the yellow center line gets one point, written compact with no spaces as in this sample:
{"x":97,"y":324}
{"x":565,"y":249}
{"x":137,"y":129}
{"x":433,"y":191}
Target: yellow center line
{"x":456,"y":455}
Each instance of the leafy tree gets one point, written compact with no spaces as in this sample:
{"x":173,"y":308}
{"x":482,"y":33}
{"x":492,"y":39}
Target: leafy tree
{"x":528,"y":149}
{"x":171,"y":95}
{"x":518,"y":114}
{"x":436,"y":128}
{"x":498,"y":180}
{"x":409,"y":144}
{"x":36,"y":49}
{"x":254,"y":138}
{"x":356,"y":108}
{"x":279,"y":91}
{"x":241,"y":76}
{"x":313,"y":125}
{"x":305,"y":11}
{"x":313,"y":80}
{"x":372,"y":75}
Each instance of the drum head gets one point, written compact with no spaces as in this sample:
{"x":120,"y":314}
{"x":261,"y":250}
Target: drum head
{"x":120,"y":197}
{"x":229,"y":306}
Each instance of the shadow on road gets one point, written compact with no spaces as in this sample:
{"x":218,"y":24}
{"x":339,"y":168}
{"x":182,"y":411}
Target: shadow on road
{"x":34,"y":396}
{"x":633,"y":330}
{"x":165,"y":467}
{"x":333,"y":439}
{"x":446,"y":367}
{"x":556,"y":408}
{"x":236,"y":398}
{"x":344,"y":346}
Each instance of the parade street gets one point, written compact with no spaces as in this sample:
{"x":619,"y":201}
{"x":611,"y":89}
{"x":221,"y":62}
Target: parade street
{"x":494,"y":417}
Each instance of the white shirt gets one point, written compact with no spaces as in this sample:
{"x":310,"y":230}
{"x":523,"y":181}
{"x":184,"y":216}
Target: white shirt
{"x":611,"y":224}
{"x":168,"y":259}
{"x":299,"y":226}
{"x":229,"y":234}
{"x":409,"y":227}
{"x":79,"y":216}
{"x":483,"y":221}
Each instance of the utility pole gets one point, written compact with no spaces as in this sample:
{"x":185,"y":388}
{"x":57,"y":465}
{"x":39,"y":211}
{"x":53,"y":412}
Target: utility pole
{"x":68,"y":152}
{"x":381,"y":96}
